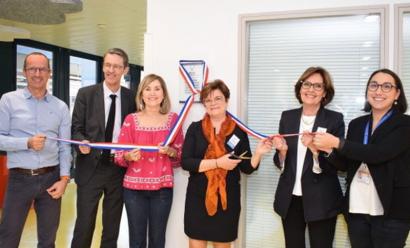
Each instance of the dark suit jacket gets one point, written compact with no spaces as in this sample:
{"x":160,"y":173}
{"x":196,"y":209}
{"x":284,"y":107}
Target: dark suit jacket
{"x":388,"y":158}
{"x":322,"y":194}
{"x":88,"y":123}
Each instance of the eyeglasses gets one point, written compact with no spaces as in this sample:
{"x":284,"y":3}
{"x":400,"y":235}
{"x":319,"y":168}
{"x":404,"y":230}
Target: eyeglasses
{"x":386,"y":87}
{"x":33,"y":70}
{"x":217,"y":100}
{"x":316,"y":86}
{"x":114,"y":66}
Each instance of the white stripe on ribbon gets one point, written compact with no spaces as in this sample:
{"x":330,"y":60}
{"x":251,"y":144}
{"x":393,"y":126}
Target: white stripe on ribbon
{"x":188,"y":79}
{"x":181,"y":118}
{"x":108,"y":146}
{"x":246,"y":128}
{"x":116,"y":146}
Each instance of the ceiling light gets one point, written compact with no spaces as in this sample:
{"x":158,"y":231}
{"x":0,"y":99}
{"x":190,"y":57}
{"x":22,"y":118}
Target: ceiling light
{"x":101,"y":25}
{"x":42,"y":12}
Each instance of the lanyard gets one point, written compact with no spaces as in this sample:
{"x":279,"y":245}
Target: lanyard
{"x":366,"y":130}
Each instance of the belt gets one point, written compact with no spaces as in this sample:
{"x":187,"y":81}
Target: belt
{"x":34,"y":172}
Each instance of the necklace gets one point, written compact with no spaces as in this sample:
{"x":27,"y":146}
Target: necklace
{"x":308,"y":120}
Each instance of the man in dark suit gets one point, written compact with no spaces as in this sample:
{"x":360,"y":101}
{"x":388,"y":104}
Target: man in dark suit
{"x":98,"y":113}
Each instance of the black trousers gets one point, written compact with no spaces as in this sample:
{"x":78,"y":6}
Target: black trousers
{"x":367,"y":231}
{"x":321,"y":233}
{"x":107,"y":181}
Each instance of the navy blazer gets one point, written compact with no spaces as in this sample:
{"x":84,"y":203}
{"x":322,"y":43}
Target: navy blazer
{"x":88,"y":123}
{"x":387,"y":156}
{"x":322,"y":195}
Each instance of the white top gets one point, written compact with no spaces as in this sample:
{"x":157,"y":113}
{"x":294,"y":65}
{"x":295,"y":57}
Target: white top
{"x":107,"y":104}
{"x":306,"y":124}
{"x":363,"y":198}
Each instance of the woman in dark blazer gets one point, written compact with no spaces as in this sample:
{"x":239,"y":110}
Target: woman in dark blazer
{"x":308,"y":192}
{"x":376,"y":155}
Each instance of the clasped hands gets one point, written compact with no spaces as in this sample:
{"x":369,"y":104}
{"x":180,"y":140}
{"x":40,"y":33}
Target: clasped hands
{"x":135,"y":154}
{"x":314,"y":141}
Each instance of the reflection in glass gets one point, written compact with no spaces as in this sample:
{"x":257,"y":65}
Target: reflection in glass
{"x":126,"y":80}
{"x":83,"y":72}
{"x":22,"y":51}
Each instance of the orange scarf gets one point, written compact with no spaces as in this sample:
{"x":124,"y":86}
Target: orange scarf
{"x":216,"y":177}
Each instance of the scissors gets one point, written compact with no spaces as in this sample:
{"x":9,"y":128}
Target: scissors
{"x":242,"y":156}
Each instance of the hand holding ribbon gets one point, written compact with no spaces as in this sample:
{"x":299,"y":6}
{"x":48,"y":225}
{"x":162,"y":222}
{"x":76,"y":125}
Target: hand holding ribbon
{"x":84,"y":149}
{"x":326,"y":142}
{"x":133,"y":155}
{"x":169,"y":151}
{"x":307,"y":140}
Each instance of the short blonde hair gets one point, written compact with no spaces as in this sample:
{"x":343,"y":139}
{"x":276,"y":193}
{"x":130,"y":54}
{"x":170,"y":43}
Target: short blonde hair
{"x":166,"y":102}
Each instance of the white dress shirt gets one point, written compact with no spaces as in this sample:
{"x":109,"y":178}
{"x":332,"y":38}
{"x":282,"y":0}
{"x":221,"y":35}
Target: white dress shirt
{"x":107,"y":104}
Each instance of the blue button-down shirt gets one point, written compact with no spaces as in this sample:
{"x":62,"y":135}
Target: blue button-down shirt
{"x":23,"y":116}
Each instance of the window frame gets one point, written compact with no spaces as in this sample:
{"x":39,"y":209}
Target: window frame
{"x":399,"y":11}
{"x":245,"y":20}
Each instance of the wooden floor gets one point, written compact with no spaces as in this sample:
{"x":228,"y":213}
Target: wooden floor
{"x":67,"y":221}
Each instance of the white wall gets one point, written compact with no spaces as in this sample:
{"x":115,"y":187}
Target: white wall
{"x":193,"y":29}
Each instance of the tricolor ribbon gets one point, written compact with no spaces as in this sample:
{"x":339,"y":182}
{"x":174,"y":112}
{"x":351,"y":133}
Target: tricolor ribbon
{"x":107,"y":145}
{"x":116,"y":146}
{"x":191,"y":85}
{"x":181,"y":118}
{"x":189,"y":81}
{"x":246,"y":129}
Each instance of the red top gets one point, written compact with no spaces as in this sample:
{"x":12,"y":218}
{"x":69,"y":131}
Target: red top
{"x":154,"y":170}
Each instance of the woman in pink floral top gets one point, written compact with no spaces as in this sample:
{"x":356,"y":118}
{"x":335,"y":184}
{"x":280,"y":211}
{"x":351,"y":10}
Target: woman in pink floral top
{"x":148,"y":181}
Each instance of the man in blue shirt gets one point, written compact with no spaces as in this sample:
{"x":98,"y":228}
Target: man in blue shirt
{"x":39,"y":167}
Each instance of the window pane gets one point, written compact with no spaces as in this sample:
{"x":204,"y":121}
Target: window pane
{"x":22,"y":51}
{"x":405,"y":66}
{"x":83,"y":72}
{"x":279,"y":51}
{"x":126,"y":80}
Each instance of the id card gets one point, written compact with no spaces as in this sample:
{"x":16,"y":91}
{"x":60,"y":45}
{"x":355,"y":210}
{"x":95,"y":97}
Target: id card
{"x":233,"y":141}
{"x":363,"y":174}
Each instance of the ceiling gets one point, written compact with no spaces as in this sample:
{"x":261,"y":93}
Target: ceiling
{"x":100,"y":25}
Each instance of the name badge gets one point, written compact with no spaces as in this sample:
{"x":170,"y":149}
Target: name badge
{"x":233,"y":141}
{"x":363,"y":174}
{"x":321,"y":130}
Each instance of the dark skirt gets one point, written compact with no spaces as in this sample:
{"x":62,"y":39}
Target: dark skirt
{"x":223,"y":226}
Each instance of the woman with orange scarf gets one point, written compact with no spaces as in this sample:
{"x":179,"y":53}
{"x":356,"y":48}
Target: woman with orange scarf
{"x":214,"y":152}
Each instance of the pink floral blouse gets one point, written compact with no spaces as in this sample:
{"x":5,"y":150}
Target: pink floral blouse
{"x":154,"y":170}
